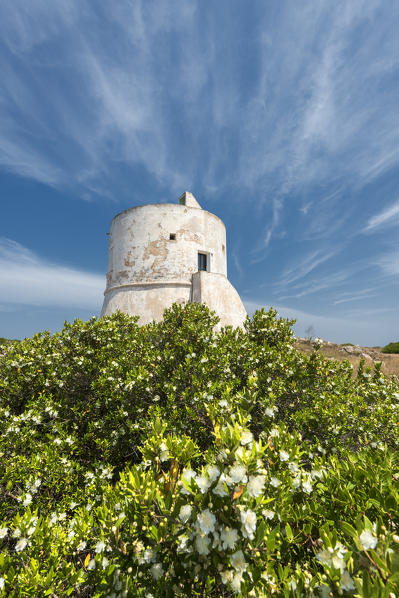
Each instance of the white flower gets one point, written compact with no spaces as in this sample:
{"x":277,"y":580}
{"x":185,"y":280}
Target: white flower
{"x":293,"y":466}
{"x":91,"y":565}
{"x":185,"y":513}
{"x":164,"y":455}
{"x":3,"y":532}
{"x":324,"y":556}
{"x":2,"y":582}
{"x":307,"y":486}
{"x":346,"y":581}
{"x":206,"y":521}
{"x":182,"y":544}
{"x":255,"y":485}
{"x":236,"y":582}
{"x":148,"y":556}
{"x":296,"y":481}
{"x":229,"y":537}
{"x":221,"y":455}
{"x":338,"y":562}
{"x":105,"y":562}
{"x":187,"y":475}
{"x":238,"y":561}
{"x":226,"y":576}
{"x":28,"y":499}
{"x":100,"y":546}
{"x":275,"y":482}
{"x":213,"y":472}
{"x":216,"y":541}
{"x":156,"y":570}
{"x":20,"y":545}
{"x":248,"y":520}
{"x":333,"y":556}
{"x":220,"y":489}
{"x":270,"y":411}
{"x":284,"y":456}
{"x":268,"y":514}
{"x":339,"y":549}
{"x":246,"y":437}
{"x":274,"y":433}
{"x":368,"y":540}
{"x":81,"y":546}
{"x":239,"y":453}
{"x":203,"y":483}
{"x":202,"y":544}
{"x":237,"y":475}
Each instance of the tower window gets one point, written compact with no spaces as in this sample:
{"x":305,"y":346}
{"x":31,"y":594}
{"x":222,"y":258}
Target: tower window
{"x":172,"y":236}
{"x":202,"y":261}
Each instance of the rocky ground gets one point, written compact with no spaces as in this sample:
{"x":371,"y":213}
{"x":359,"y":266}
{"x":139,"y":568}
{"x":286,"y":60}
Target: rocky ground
{"x":354,"y":353}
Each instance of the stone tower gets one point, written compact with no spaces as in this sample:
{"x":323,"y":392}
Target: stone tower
{"x":160,"y":254}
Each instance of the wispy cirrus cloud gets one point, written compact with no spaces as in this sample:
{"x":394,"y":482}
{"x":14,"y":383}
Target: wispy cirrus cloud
{"x":28,"y":279}
{"x":389,"y":263}
{"x":302,"y":268}
{"x":355,"y":296}
{"x":139,"y":92}
{"x":388,"y":216}
{"x":315,"y":285}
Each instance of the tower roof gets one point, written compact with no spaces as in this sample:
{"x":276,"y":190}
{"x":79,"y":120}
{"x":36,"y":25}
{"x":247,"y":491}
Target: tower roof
{"x":188,"y":199}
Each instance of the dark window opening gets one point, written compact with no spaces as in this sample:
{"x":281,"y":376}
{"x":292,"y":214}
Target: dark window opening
{"x":202,"y":261}
{"x":172,"y":236}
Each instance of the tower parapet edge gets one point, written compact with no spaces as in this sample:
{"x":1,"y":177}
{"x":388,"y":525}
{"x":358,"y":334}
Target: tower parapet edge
{"x":160,"y":254}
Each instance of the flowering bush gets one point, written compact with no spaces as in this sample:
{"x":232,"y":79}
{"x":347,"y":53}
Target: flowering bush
{"x":173,"y":460}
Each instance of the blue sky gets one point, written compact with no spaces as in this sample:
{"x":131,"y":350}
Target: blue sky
{"x":281,"y":117}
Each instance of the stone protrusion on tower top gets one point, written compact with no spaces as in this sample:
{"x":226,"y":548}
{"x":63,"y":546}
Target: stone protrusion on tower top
{"x":188,"y":199}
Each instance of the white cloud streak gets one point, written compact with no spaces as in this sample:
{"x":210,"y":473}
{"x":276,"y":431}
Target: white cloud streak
{"x":387,"y":217}
{"x":27,"y":279}
{"x":305,"y":266}
{"x":389,"y":263}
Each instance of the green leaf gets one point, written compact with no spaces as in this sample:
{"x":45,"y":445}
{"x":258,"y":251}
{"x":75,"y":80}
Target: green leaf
{"x":288,"y":532}
{"x":271,"y":539}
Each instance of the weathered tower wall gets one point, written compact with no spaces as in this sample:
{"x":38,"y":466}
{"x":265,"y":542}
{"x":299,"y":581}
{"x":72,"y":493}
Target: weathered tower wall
{"x":153,"y":262}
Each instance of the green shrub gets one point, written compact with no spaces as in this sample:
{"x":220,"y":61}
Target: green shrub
{"x":176,"y":460}
{"x":391,"y":348}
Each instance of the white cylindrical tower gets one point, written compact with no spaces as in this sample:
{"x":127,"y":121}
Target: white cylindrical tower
{"x":165,"y":253}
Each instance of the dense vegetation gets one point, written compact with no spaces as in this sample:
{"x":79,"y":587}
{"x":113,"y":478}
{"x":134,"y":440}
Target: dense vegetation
{"x":6,"y":341}
{"x":175,"y":460}
{"x":391,"y":348}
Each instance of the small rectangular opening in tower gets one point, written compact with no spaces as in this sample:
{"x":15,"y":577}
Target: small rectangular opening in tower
{"x":172,"y":236}
{"x":202,"y":261}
